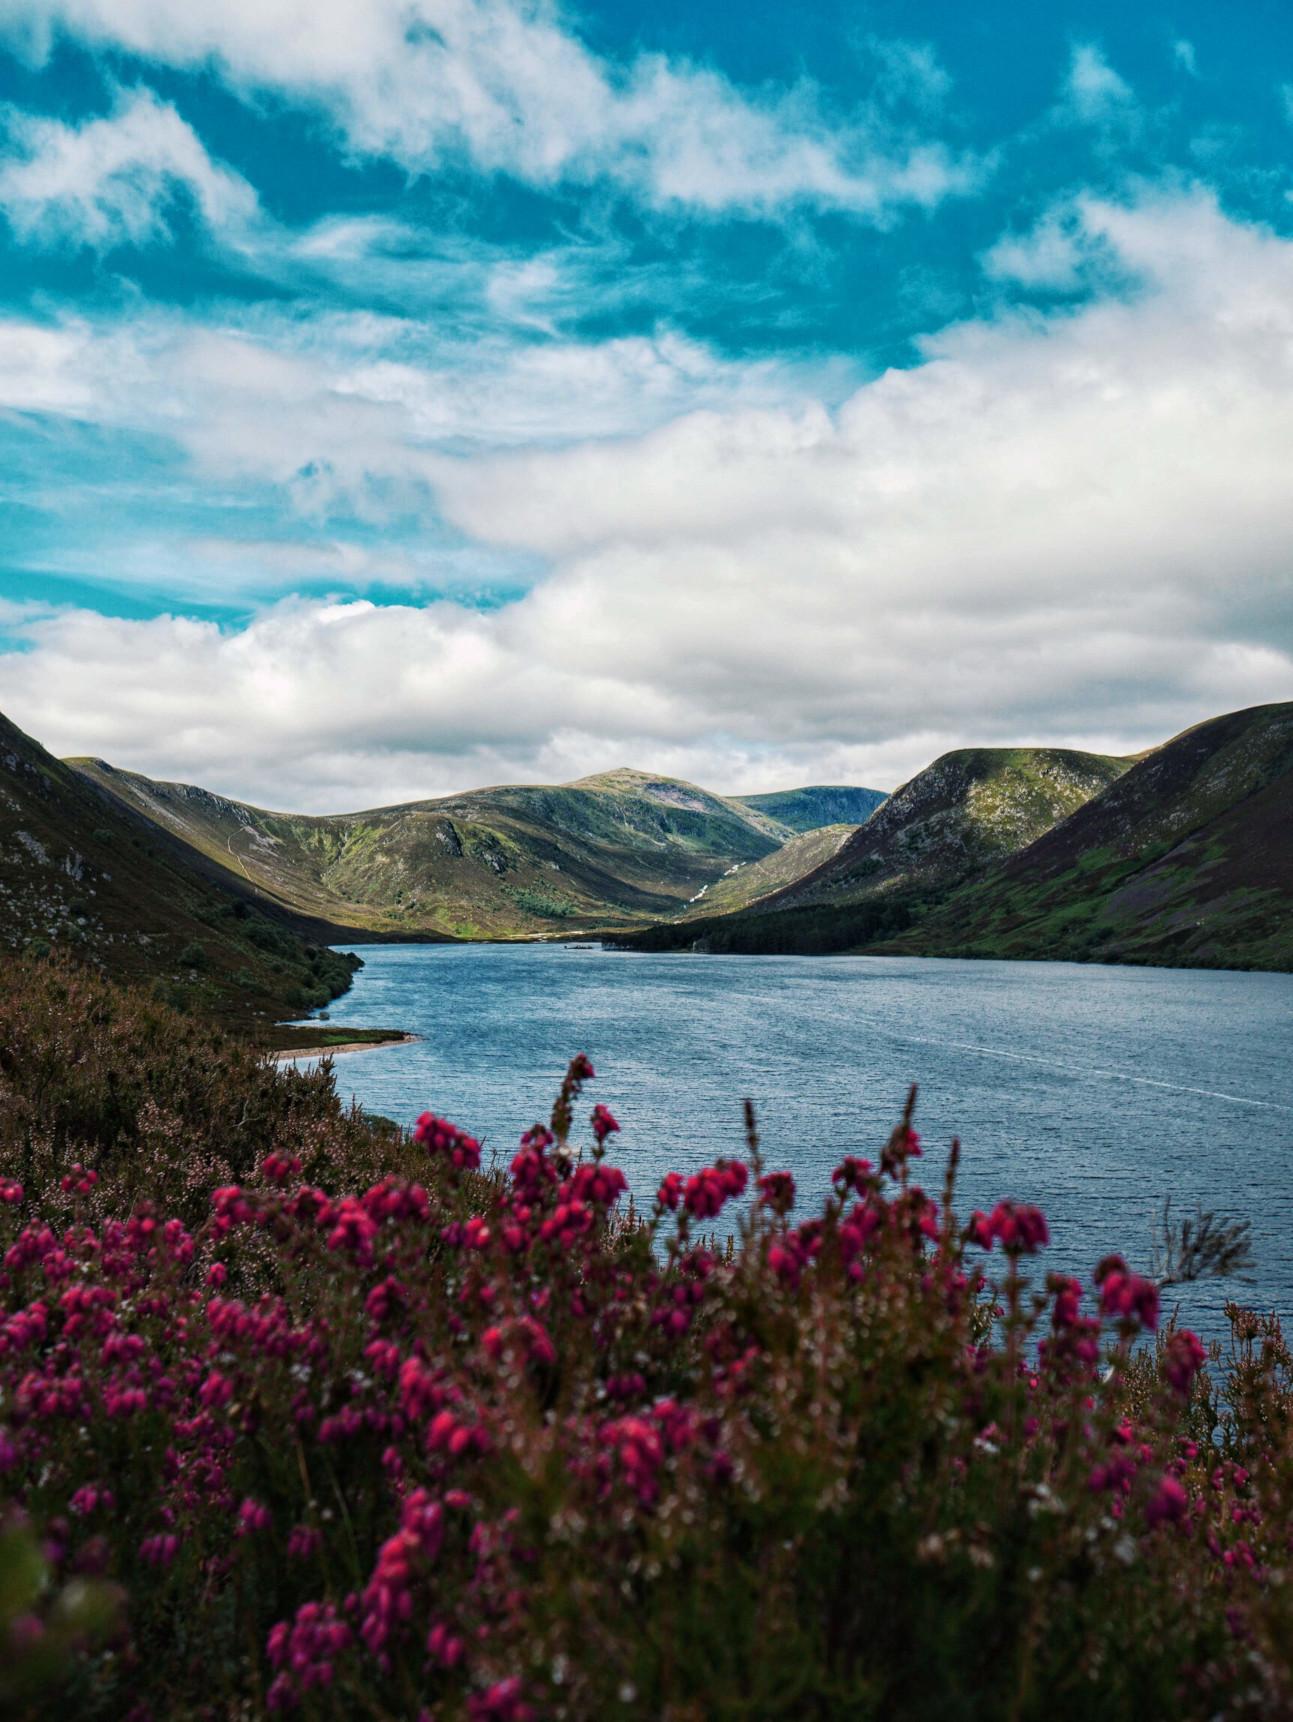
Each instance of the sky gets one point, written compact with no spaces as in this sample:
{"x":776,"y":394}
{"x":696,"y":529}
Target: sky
{"x":401,"y":396}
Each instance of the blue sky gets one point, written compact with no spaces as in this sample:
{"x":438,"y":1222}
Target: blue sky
{"x":402,"y":395}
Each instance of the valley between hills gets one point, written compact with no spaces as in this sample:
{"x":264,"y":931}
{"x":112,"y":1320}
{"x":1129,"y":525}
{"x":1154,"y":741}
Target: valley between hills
{"x":1181,"y":856}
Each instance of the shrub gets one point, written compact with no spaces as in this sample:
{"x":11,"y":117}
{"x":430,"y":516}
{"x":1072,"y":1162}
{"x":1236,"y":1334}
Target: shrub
{"x":474,"y":1447}
{"x":193,"y":956}
{"x":161,"y":1108}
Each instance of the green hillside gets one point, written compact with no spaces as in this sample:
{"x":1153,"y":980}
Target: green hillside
{"x":950,"y":823}
{"x":817,"y":806}
{"x":744,"y":884}
{"x":618,"y":849}
{"x":80,"y":875}
{"x":1187,"y":859}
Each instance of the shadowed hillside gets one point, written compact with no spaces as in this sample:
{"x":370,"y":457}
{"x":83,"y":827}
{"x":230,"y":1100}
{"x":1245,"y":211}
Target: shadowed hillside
{"x":1187,"y":859}
{"x":78,"y":874}
{"x":813,"y":809}
{"x":616,"y":849}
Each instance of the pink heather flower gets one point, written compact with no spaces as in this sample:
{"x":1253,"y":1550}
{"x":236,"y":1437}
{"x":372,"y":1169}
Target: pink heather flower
{"x":705,"y":1193}
{"x":670,"y":1193}
{"x":215,"y":1391}
{"x":851,"y":1173}
{"x":159,"y":1551}
{"x":304,"y":1652}
{"x":231,"y":1209}
{"x":10,"y":1192}
{"x":78,"y":1179}
{"x":1130,"y":1298}
{"x":88,"y":1499}
{"x":1185,"y":1358}
{"x":438,"y":1136}
{"x":303,"y":1542}
{"x":603,"y":1123}
{"x":979,"y":1230}
{"x":353,"y":1227}
{"x":503,"y":1702}
{"x":1169,"y":1505}
{"x":777,"y":1191}
{"x":384,"y":1299}
{"x":1022,"y":1229}
{"x":602,"y":1185}
{"x":445,"y":1645}
{"x":252,"y":1516}
{"x":581,"y":1069}
{"x":280,"y":1168}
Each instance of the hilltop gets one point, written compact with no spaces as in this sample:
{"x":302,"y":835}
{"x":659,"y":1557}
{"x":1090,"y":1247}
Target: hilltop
{"x":609,"y":851}
{"x":78,"y":874}
{"x":1186,"y":859}
{"x":950,"y":823}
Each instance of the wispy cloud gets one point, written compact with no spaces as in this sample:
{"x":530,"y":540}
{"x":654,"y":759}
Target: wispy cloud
{"x":115,"y":180}
{"x":509,"y":88}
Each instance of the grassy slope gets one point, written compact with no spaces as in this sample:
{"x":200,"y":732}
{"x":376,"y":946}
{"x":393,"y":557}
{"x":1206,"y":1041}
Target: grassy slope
{"x":950,"y":823}
{"x":745,"y":884}
{"x":78,"y":874}
{"x":820,"y":805}
{"x":1187,"y":859}
{"x":611,"y":850}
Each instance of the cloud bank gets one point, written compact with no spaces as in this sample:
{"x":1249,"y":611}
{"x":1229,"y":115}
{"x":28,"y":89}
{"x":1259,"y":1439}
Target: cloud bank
{"x":1071,"y":528}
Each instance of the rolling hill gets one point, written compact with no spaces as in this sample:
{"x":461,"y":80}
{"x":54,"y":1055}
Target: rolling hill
{"x":949,"y":824}
{"x":1187,"y":860}
{"x":79,"y":874}
{"x":614,"y":850}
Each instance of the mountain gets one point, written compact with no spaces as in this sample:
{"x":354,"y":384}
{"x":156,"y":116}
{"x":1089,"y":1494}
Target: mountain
{"x":1186,"y":859}
{"x":618,"y":849}
{"x":746,"y":883}
{"x":79,"y":874}
{"x":950,"y":823}
{"x":818,"y":806}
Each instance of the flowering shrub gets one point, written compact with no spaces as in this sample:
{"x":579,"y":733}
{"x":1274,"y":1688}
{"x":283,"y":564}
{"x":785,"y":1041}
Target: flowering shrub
{"x":464,"y":1446}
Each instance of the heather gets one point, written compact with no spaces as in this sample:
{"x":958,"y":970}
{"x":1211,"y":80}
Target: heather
{"x":301,"y":1415}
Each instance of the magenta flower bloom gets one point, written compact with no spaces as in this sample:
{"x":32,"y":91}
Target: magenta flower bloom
{"x":1185,"y":1358}
{"x":777,"y":1191}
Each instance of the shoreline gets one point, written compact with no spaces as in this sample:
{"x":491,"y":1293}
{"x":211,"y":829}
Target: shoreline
{"x":288,"y":1054}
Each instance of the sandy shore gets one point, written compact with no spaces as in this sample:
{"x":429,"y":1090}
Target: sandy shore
{"x":294,"y":1052}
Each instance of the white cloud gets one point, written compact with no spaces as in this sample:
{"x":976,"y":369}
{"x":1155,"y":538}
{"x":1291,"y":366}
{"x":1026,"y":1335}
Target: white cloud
{"x":114,"y":180}
{"x":1093,"y":91}
{"x":1184,"y":56}
{"x":505,"y":85}
{"x":1074,"y":528}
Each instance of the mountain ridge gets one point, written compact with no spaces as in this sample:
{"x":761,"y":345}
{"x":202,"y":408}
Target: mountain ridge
{"x":1187,"y":859}
{"x":615,"y":849}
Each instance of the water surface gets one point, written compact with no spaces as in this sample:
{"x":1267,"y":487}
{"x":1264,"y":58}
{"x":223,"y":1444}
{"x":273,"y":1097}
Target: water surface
{"x":1095,"y":1092}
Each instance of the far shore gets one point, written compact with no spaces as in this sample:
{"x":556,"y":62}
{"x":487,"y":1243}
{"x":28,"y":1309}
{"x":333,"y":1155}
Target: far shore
{"x":329,"y":1049}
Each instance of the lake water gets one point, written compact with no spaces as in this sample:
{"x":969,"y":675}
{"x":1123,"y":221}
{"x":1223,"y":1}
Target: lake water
{"x":1094,"y":1092}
